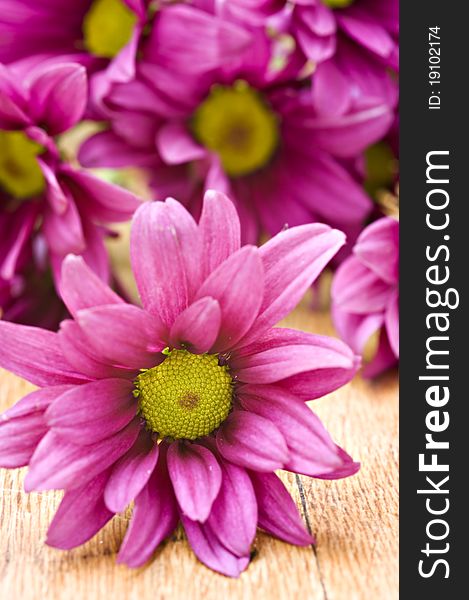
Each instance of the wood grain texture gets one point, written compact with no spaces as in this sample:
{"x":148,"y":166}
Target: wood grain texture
{"x":354,"y":520}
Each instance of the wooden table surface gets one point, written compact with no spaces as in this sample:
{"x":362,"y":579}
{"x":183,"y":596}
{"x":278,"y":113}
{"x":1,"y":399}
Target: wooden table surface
{"x":355,"y":522}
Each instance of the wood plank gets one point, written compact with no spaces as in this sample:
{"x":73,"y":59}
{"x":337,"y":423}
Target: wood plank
{"x":354,"y":520}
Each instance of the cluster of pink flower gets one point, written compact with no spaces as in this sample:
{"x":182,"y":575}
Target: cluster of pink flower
{"x":188,"y":404}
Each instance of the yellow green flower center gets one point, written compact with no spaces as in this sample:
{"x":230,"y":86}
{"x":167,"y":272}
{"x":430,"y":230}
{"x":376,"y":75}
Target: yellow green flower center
{"x":237,"y":124}
{"x":107,"y":27}
{"x":186,"y":396}
{"x":20,"y":173}
{"x":338,"y":3}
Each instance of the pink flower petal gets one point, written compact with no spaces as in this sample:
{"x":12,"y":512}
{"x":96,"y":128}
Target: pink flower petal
{"x":177,"y":33}
{"x":196,"y":477}
{"x":383,"y":360}
{"x":238,"y":285}
{"x":122,"y":334}
{"x":59,"y":95}
{"x":93,"y":411}
{"x":77,"y":352}
{"x":234,"y":512}
{"x":278,"y":514}
{"x":177,"y":146}
{"x":378,"y":249}
{"x":252,"y":441}
{"x":154,"y":517}
{"x":35,"y":354}
{"x":82,"y":288}
{"x":211,"y":551}
{"x":101,"y":200}
{"x":356,"y":330}
{"x":81,"y":514}
{"x":131,"y":473}
{"x":358,"y":290}
{"x":311,"y":449}
{"x":220,"y":230}
{"x":165,"y":253}
{"x":64,"y":231}
{"x":317,"y":364}
{"x":58,"y":464}
{"x":197,"y":327}
{"x":292,"y":261}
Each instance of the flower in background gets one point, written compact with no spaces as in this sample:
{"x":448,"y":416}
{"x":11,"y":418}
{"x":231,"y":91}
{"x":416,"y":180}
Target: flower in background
{"x":187,"y":405}
{"x":107,"y":35}
{"x":365,"y":295}
{"x":354,"y":45}
{"x":48,"y":208}
{"x":249,"y":130}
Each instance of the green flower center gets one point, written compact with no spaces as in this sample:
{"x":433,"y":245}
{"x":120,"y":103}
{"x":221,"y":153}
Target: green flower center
{"x":20,"y":173}
{"x":338,"y":3}
{"x":186,"y":396}
{"x":237,"y":124}
{"x":107,"y":27}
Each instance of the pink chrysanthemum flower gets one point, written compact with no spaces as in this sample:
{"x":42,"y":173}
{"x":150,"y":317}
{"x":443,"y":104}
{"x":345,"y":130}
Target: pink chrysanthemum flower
{"x":186,"y":405}
{"x":46,"y":205}
{"x":107,"y":35}
{"x":365,"y":294}
{"x":249,"y":130}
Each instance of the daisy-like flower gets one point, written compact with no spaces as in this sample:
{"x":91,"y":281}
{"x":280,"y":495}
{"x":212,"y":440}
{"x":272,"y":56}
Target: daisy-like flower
{"x":250,"y":131}
{"x":46,"y":205}
{"x":186,"y":405}
{"x":106,"y":35}
{"x":365,"y":295}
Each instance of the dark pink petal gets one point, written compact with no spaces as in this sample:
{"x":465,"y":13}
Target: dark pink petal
{"x":81,"y":514}
{"x":310,"y":447}
{"x":64,"y":231}
{"x":177,"y":146}
{"x":57,"y":197}
{"x":220,"y":230}
{"x":368,"y":33}
{"x":81,"y":288}
{"x":58,"y":464}
{"x":278,"y":514}
{"x":154,"y":517}
{"x":23,"y":426}
{"x":197,"y":327}
{"x":77,"y":352}
{"x":106,"y":149}
{"x":165,"y":253}
{"x":122,"y":334}
{"x":176,"y":37}
{"x":103,"y":201}
{"x":378,"y":248}
{"x":252,"y":441}
{"x":93,"y":411}
{"x":392,"y":323}
{"x":292,"y":261}
{"x":58,"y":96}
{"x":209,"y":550}
{"x":348,"y":135}
{"x":359,"y":290}
{"x":131,"y":473}
{"x":196,"y":477}
{"x":234,"y":512}
{"x":12,"y":102}
{"x":238,"y":285}
{"x":35,"y":354}
{"x":322,"y":364}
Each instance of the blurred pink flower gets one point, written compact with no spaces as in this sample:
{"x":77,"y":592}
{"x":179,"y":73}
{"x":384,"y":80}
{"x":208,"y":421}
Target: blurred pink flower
{"x":48,"y":208}
{"x":249,"y":130}
{"x":187,"y":405}
{"x":365,"y":294}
